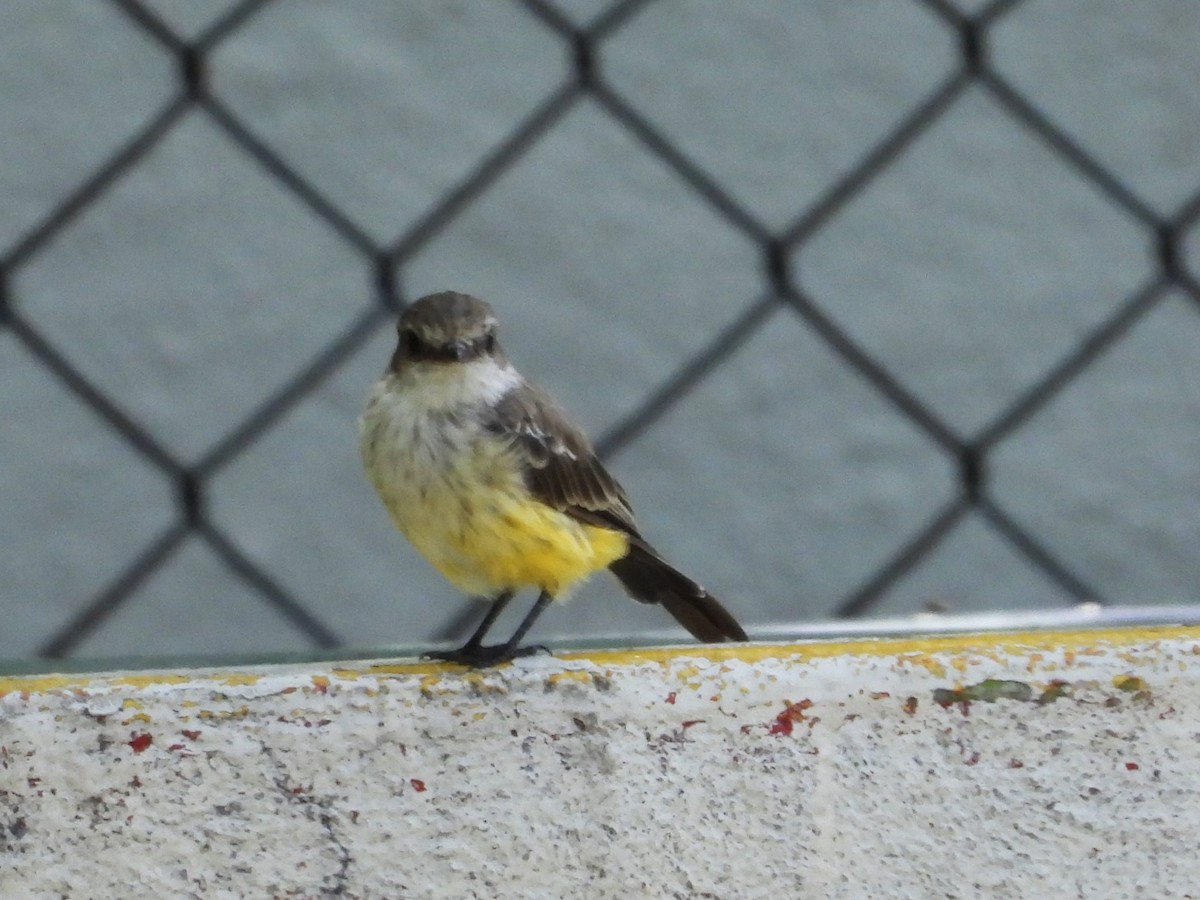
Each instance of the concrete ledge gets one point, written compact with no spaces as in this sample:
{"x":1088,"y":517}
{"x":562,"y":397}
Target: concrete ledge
{"x":1042,"y":764}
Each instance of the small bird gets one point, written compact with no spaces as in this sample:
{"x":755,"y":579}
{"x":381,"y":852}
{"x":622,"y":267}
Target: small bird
{"x":487,"y":477}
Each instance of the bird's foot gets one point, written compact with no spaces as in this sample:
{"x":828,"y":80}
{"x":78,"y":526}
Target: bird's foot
{"x":480,"y":657}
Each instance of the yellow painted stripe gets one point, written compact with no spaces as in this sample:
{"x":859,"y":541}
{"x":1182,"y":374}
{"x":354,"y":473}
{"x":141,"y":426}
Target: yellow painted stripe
{"x":990,"y":644}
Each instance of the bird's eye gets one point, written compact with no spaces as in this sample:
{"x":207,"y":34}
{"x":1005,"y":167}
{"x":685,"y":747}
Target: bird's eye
{"x":412,"y":344}
{"x":489,"y":342}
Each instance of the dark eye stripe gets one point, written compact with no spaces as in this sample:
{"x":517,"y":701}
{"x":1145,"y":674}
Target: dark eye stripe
{"x":417,"y":350}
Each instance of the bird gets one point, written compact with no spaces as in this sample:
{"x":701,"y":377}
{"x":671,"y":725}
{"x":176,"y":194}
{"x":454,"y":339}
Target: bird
{"x":490,"y":480}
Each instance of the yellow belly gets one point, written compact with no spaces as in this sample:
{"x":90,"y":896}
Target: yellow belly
{"x":493,"y":541}
{"x":459,"y":495}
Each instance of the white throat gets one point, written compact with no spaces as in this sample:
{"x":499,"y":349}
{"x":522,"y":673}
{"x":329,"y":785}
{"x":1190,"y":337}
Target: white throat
{"x":442,"y":387}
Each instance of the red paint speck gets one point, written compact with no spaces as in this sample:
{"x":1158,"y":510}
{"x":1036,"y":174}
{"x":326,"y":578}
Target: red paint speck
{"x":1132,"y":766}
{"x":1015,"y":764}
{"x":191,"y":735}
{"x":792,"y":713}
{"x":418,"y":785}
{"x":688,"y":723}
{"x":140,"y":742}
{"x":781,"y":726}
{"x":176,"y":746}
{"x":671,"y":698}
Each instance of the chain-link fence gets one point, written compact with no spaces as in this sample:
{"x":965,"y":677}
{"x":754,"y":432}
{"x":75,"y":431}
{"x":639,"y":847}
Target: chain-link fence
{"x":781,"y":251}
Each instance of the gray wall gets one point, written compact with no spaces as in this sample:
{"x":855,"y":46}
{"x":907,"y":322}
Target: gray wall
{"x":966,"y":233}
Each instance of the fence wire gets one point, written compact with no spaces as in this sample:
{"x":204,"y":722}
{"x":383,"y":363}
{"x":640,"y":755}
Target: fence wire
{"x":780,"y":288}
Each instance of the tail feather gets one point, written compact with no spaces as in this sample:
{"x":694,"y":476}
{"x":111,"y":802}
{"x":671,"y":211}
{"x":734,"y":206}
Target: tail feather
{"x":647,"y":578}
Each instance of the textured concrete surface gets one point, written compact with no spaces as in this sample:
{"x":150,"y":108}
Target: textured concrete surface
{"x":1034,"y":765}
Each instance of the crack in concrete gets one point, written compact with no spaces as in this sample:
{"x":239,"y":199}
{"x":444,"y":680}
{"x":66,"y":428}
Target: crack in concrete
{"x":320,"y":809}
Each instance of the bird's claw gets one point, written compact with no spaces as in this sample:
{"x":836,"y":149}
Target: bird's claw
{"x":481,"y":657}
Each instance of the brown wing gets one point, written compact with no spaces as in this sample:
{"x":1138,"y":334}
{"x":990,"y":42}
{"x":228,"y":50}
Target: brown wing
{"x":563,"y":470}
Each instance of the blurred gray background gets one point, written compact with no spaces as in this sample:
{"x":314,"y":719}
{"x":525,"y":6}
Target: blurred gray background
{"x":873,"y":307}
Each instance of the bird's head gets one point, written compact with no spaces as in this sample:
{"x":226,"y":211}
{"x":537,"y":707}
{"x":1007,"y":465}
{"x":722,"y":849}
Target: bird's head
{"x":448,"y":328}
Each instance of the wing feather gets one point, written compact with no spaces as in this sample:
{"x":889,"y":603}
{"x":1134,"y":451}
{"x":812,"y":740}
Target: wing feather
{"x":562,"y":468}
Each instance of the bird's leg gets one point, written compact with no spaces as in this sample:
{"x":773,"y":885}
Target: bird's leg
{"x":473,"y":653}
{"x":511,"y":649}
{"x":476,"y":639}
{"x":471,"y":649}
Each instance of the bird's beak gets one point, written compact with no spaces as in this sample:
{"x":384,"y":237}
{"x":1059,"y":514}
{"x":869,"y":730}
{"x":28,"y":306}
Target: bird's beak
{"x":458,"y":350}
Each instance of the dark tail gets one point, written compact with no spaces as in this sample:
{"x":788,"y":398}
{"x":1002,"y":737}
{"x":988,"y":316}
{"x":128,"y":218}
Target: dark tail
{"x":646,"y":577}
